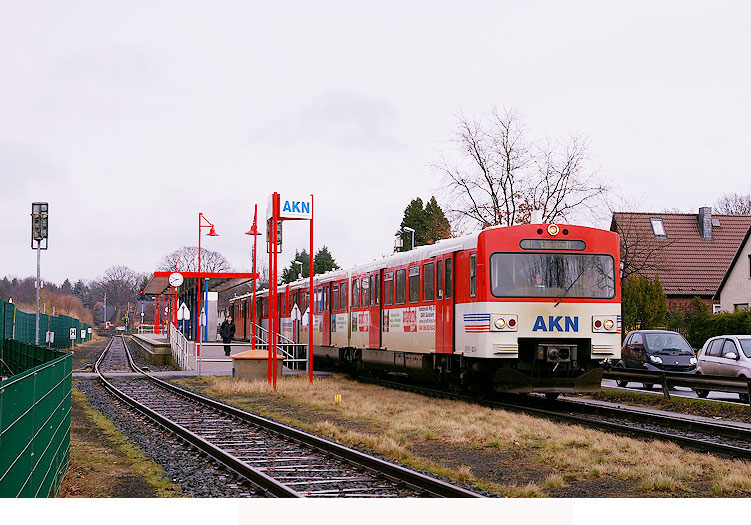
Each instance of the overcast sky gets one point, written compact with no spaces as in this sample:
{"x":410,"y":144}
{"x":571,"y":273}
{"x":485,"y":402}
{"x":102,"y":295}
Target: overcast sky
{"x":131,"y":117}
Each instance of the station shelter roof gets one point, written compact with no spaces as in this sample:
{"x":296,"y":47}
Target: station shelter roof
{"x":218,"y":281}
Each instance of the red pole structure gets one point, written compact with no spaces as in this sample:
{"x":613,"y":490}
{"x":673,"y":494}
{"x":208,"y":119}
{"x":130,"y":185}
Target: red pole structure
{"x":253,"y":306}
{"x":273,"y":283}
{"x":198,"y":299}
{"x":310,"y":305}
{"x":156,"y":313}
{"x":271,"y":257}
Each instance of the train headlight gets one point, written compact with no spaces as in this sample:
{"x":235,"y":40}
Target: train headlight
{"x":553,"y":229}
{"x":604,"y":323}
{"x":503,"y":323}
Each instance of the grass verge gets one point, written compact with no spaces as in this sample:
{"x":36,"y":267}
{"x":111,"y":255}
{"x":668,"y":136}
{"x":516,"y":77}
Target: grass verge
{"x":104,"y":463}
{"x":506,"y":453}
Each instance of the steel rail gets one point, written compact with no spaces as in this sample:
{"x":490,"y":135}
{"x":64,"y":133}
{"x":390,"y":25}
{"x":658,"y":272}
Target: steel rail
{"x":267,"y":483}
{"x":609,"y":426}
{"x":415,"y":480}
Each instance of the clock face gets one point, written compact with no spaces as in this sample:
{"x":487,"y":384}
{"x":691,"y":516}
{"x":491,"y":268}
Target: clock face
{"x":175,"y":279}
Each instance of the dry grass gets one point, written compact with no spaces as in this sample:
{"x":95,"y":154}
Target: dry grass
{"x":568,"y":453}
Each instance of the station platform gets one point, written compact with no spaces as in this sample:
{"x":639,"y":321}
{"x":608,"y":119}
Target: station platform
{"x":156,"y":346}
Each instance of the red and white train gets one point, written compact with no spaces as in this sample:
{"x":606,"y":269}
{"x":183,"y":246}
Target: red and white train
{"x":527,"y":308}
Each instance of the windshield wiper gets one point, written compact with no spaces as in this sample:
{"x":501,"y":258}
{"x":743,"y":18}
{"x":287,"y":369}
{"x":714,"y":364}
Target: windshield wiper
{"x":565,"y":292}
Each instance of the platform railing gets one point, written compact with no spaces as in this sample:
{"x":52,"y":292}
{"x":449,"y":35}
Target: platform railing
{"x":183,"y":351}
{"x":295,"y":354}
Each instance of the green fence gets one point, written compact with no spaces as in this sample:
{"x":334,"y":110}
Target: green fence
{"x":21,"y":326}
{"x":35,"y":404}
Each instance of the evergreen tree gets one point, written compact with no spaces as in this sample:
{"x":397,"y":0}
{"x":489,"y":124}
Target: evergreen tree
{"x":437,"y":225}
{"x":66,"y":287}
{"x":643,"y":302}
{"x":323,"y":261}
{"x":429,"y":222}
{"x":292,"y":272}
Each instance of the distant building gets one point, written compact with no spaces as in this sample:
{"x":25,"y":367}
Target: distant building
{"x":734,"y":292}
{"x":691,"y":253}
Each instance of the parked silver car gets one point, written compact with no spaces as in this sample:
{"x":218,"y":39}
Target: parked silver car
{"x":725,"y":355}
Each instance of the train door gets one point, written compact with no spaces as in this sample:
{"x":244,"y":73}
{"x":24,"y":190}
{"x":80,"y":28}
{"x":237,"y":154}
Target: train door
{"x":326,"y":318}
{"x":374,"y":310}
{"x":444,"y":304}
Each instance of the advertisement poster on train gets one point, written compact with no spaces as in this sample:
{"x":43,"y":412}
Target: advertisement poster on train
{"x":354,"y":322}
{"x":426,"y":318}
{"x":395,"y":321}
{"x":341,"y":323}
{"x":363,"y":321}
{"x":409,"y":320}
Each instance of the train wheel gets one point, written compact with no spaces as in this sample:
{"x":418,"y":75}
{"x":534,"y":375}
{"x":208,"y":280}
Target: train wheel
{"x":552,"y":396}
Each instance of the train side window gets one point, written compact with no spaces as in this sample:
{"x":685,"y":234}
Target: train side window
{"x":326,"y":299}
{"x":371,"y":289}
{"x":335,"y":297}
{"x":414,"y":284}
{"x":449,"y":280}
{"x":439,"y":279}
{"x":428,"y":281}
{"x":355,"y":293}
{"x":378,"y":289}
{"x":473,"y":275}
{"x":401,"y":286}
{"x":365,"y":293}
{"x":388,"y":288}
{"x":342,"y":297}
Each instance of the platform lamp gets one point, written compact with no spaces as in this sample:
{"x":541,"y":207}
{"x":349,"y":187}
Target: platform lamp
{"x":254,"y":232}
{"x":412,"y":230}
{"x":212,"y":233}
{"x":301,"y":264}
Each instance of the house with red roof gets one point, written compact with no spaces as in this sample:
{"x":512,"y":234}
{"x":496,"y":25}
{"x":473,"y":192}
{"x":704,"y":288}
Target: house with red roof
{"x":734,"y":292}
{"x":691,"y":252}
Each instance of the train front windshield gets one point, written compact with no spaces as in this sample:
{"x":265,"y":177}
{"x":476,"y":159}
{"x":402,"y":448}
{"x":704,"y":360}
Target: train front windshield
{"x":578,"y":275}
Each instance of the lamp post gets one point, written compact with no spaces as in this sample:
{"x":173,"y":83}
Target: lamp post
{"x":212,"y":233}
{"x":301,"y":264}
{"x":254,"y":232}
{"x":412,"y":230}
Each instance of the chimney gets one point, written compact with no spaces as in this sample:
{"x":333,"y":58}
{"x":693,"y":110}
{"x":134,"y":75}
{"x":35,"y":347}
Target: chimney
{"x":705,"y":223}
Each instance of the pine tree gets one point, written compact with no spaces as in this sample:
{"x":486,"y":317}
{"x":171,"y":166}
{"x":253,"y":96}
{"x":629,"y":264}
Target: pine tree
{"x":292,"y":272}
{"x":323,"y":261}
{"x":437,"y":225}
{"x":643,"y":302}
{"x":429,"y":222}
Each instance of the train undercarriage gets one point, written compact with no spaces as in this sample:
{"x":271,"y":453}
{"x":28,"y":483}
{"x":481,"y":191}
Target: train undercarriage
{"x":545,"y":366}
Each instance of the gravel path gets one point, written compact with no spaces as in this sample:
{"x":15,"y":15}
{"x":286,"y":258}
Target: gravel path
{"x":198,"y":475}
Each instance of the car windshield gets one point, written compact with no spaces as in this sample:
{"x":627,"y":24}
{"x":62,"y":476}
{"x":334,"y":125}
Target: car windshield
{"x":668,"y":344}
{"x":746,"y":346}
{"x":580,"y":275}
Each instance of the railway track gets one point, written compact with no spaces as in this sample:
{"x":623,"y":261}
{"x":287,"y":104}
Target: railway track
{"x":720,"y":438}
{"x":282,"y":461}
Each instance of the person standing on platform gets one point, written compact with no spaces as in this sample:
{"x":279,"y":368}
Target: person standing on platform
{"x":227,"y":333}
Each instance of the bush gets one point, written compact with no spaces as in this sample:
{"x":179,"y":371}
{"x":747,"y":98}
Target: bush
{"x":698,"y":324}
{"x":643,"y":303}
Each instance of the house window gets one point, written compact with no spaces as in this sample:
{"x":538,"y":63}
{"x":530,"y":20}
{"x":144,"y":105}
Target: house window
{"x":657,"y":227}
{"x":716,"y":308}
{"x":740,"y":307}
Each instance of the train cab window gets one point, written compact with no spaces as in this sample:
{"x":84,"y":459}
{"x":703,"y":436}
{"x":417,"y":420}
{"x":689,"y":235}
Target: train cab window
{"x":355,"y":293}
{"x":449,"y":280}
{"x":388,"y":288}
{"x":473,"y":275}
{"x":414,"y":284}
{"x":378,"y":289}
{"x":343,"y":296}
{"x":335,"y":297}
{"x":428,"y":281}
{"x":439,"y":279}
{"x":401,"y":286}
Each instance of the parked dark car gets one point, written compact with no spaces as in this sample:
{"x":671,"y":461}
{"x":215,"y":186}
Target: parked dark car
{"x":657,"y":350}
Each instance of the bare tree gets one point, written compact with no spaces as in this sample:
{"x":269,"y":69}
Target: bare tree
{"x":641,"y":252}
{"x":120,"y":283}
{"x":500,"y":176}
{"x":734,"y":204}
{"x":186,"y":259}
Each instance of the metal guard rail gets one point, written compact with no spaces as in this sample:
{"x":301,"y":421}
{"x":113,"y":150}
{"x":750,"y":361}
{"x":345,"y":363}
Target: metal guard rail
{"x":738,"y":385}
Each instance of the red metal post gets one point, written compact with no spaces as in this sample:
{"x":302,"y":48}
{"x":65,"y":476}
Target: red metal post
{"x":310,"y":305}
{"x":198,"y":299}
{"x":156,"y":313}
{"x":253,"y":306}
{"x":273,"y":284}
